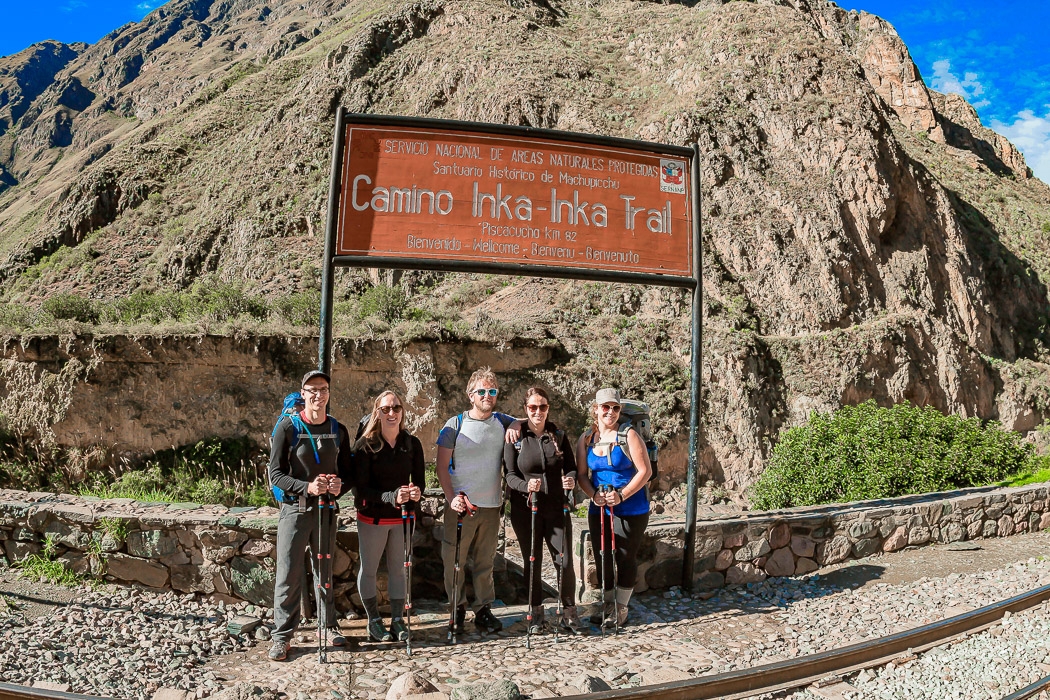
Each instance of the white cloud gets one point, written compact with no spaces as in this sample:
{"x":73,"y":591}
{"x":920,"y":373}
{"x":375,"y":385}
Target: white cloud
{"x":947,"y":82}
{"x":148,"y":6}
{"x":1031,"y":135}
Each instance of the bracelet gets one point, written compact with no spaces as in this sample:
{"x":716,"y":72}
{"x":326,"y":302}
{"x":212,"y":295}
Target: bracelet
{"x":620,"y":494}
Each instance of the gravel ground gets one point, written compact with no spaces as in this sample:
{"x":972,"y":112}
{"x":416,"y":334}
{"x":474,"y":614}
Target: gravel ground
{"x":986,"y":666}
{"x":118,"y":642}
{"x":126,"y":642}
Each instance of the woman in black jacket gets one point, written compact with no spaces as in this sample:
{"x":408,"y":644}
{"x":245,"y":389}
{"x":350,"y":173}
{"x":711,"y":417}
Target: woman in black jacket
{"x":542,"y":464}
{"x":388,"y":473}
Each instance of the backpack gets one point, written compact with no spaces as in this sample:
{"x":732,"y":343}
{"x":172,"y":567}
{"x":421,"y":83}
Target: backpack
{"x":505,"y":420}
{"x":293,"y":404}
{"x":635,"y":414}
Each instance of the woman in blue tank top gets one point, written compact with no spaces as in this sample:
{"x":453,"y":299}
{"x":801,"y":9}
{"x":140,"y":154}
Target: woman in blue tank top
{"x":614,"y":476}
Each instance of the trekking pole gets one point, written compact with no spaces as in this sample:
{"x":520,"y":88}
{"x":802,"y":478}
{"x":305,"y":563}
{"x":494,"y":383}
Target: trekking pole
{"x":532,"y":568}
{"x":601,"y":557}
{"x":564,"y":549}
{"x":455,"y":580}
{"x":408,"y":530}
{"x":612,"y":548}
{"x":325,"y":508}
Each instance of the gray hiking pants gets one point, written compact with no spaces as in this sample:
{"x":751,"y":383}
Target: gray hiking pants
{"x":297,"y":533}
{"x":373,"y":540}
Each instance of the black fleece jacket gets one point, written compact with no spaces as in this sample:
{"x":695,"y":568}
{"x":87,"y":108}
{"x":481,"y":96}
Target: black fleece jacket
{"x":378,"y":476}
{"x":316,"y":450}
{"x":547,"y":457}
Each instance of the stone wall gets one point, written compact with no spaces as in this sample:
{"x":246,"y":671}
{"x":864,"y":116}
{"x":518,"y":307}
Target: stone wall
{"x":213,"y":550}
{"x":230,"y":551}
{"x":747,"y":548}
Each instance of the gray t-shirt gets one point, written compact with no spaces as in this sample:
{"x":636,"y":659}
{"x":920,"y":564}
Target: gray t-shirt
{"x":477,"y":458}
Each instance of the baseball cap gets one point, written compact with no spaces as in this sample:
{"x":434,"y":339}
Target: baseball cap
{"x":315,"y":373}
{"x":607,"y":395}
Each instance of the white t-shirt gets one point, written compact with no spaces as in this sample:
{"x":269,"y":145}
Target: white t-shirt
{"x":477,"y":458}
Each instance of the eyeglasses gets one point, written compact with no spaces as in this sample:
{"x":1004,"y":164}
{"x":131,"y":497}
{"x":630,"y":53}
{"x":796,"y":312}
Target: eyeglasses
{"x":486,"y":392}
{"x":536,"y":408}
{"x":316,"y":392}
{"x":390,"y":409}
{"x":610,"y":408}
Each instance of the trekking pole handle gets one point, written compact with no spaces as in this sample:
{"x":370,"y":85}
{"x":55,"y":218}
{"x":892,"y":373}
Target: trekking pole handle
{"x":471,"y":509}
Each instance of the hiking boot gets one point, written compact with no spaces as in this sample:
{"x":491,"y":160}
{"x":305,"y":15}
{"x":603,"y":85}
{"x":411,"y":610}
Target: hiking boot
{"x":570,"y":620}
{"x":485,"y":621}
{"x":377,"y":631}
{"x":399,"y":629}
{"x":461,"y":616}
{"x":621,"y":615}
{"x":278,"y":651}
{"x":598,"y":615}
{"x":538,"y":625}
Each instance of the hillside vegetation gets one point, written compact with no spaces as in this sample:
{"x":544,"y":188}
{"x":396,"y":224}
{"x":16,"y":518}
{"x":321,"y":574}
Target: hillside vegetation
{"x":863,"y":236}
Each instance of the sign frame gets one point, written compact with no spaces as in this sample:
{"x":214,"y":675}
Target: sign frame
{"x":694,"y":283}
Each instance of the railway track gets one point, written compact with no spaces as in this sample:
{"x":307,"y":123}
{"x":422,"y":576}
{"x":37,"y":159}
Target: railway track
{"x":783,"y":675}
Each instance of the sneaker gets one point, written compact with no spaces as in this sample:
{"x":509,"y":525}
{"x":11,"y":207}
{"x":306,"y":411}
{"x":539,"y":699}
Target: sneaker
{"x":377,"y":631}
{"x":539,"y":621}
{"x":570,"y":620}
{"x":335,"y":637}
{"x":461,"y":616}
{"x":399,"y":629}
{"x":278,"y":651}
{"x":485,"y":621}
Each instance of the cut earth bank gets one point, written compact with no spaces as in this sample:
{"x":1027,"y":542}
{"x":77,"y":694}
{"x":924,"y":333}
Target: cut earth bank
{"x":229,"y":552}
{"x":104,"y":399}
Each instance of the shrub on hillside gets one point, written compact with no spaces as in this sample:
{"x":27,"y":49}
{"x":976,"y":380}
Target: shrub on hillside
{"x":153,"y":307}
{"x":865,"y":452}
{"x":71,"y":307}
{"x":221,"y":301}
{"x":382,"y":301}
{"x":300,"y":309}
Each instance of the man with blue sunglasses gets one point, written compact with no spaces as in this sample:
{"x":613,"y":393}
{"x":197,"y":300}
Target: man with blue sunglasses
{"x":470,"y":469}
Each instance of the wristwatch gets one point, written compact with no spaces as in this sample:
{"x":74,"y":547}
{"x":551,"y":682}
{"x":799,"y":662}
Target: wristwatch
{"x":620,"y":494}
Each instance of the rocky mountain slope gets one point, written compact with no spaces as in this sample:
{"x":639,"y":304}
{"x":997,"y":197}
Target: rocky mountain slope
{"x":863,"y":236}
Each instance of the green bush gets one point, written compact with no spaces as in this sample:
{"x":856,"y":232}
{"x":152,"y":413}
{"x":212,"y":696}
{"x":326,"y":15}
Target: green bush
{"x":865,"y":452}
{"x":71,"y":307}
{"x":382,"y":301}
{"x":302,"y":309}
{"x":16,"y":317}
{"x":153,"y":307}
{"x":222,"y":301}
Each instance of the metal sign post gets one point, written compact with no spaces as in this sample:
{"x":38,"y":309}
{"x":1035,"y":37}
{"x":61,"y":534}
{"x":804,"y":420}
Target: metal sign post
{"x":453,"y":196}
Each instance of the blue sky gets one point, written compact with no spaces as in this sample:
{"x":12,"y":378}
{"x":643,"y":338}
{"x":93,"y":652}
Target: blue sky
{"x":995,"y":54}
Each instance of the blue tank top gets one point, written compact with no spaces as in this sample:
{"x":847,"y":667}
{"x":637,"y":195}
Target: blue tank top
{"x":617,"y":474}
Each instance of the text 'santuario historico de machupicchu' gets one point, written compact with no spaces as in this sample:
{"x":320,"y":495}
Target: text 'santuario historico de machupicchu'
{"x":863,"y":235}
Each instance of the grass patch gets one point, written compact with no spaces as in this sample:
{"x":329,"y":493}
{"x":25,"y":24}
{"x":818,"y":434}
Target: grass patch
{"x":42,"y":566}
{"x":1037,"y":473}
{"x":213,"y":471}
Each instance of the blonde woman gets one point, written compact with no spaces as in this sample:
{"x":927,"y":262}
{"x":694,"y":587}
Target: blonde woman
{"x":614,"y":475}
{"x":388,"y":473}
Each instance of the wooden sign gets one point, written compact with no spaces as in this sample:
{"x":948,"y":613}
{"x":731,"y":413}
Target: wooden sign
{"x":414,"y":192}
